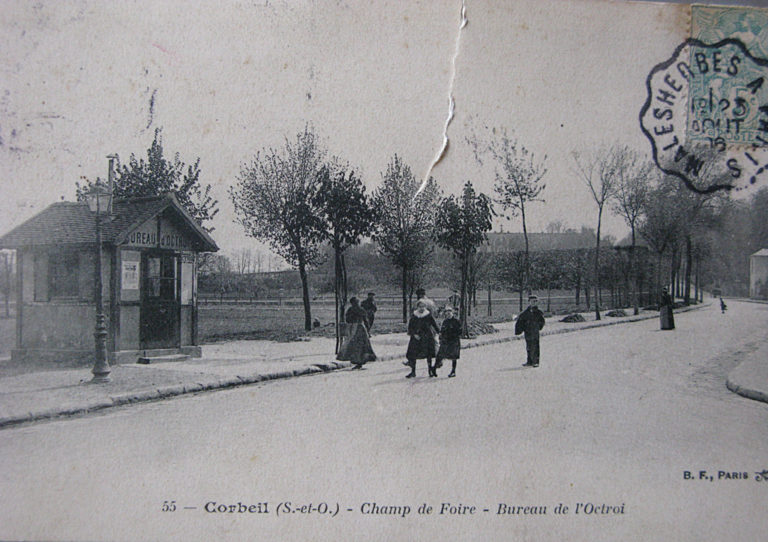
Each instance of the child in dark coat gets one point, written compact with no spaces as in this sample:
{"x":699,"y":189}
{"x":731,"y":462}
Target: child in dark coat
{"x":422,"y":343}
{"x":450,"y":341}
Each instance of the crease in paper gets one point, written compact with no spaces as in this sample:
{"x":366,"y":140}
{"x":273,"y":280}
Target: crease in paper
{"x":451,"y":102}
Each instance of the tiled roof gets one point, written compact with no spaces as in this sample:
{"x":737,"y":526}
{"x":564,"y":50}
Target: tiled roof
{"x":66,"y":223}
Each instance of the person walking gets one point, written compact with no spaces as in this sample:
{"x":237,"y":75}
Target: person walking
{"x":369,"y":306}
{"x":431,"y":306}
{"x":530,"y":322}
{"x":666,"y":314}
{"x":723,"y":306}
{"x":357,"y":346}
{"x":422,"y":342}
{"x":450,"y":341}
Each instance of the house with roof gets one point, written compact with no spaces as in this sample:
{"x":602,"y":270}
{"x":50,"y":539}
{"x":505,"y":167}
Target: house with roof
{"x":758,"y":274}
{"x":149,"y":254}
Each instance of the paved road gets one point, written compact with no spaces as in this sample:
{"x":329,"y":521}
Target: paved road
{"x":614,"y":416}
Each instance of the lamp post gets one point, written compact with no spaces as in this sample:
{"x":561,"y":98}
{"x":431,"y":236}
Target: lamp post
{"x":100,"y":203}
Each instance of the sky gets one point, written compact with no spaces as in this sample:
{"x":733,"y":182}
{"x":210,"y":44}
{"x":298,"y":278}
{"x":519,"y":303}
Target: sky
{"x":82,"y":79}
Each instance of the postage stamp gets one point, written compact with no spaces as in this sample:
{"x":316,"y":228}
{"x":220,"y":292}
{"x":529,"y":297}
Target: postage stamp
{"x":706,"y":110}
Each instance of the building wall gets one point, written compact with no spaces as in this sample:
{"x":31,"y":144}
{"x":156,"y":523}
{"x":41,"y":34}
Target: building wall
{"x":54,"y":326}
{"x":58,"y":329}
{"x":129,"y":328}
{"x":758,"y":276}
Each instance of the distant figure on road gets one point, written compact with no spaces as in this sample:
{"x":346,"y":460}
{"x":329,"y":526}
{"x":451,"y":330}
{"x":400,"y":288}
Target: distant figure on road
{"x":422,"y":343}
{"x":666,"y":315}
{"x":530,"y":322}
{"x":370,"y":309}
{"x":723,"y":306}
{"x":357,"y":346}
{"x":450,"y":341}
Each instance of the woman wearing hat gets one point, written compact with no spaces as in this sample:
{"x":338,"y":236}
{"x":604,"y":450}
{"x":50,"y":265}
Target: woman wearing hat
{"x":357,"y":348}
{"x":666,"y":316}
{"x":422,"y":343}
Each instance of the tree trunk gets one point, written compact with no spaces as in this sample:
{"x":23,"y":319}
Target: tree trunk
{"x":339,"y":304}
{"x":578,"y":289}
{"x":586,"y":294}
{"x":549,"y":297}
{"x":490,"y":310}
{"x":633,"y":275}
{"x":696,"y":279}
{"x":463,"y":301}
{"x":344,"y":290}
{"x":658,"y":280}
{"x":597,"y":263}
{"x":405,"y":294}
{"x":527,"y":262}
{"x":7,"y":288}
{"x":688,"y":266}
{"x":305,"y":294}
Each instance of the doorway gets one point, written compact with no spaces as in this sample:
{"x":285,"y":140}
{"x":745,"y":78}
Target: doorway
{"x":160,"y":302}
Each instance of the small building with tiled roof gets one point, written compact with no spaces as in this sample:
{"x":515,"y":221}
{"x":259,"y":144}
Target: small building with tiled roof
{"x":758,"y":274}
{"x":149,"y":257}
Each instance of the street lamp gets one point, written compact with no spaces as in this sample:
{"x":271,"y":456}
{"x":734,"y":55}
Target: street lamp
{"x":100,"y":203}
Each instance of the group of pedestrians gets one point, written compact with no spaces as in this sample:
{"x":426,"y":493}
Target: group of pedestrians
{"x":423,"y":328}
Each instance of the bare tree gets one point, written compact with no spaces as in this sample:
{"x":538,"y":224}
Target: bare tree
{"x":461,"y":226}
{"x":599,"y":170}
{"x":344,"y":207}
{"x":659,"y":224}
{"x":274,"y":203}
{"x":242,"y":261}
{"x":518,"y":179}
{"x":556,"y":226}
{"x":404,"y":220}
{"x":632,"y":187}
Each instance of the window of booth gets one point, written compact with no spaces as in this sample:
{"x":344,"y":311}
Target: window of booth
{"x":64,"y":275}
{"x":161,"y":277}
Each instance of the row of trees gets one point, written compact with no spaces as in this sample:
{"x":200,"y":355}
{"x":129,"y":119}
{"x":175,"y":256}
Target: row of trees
{"x":299,"y":199}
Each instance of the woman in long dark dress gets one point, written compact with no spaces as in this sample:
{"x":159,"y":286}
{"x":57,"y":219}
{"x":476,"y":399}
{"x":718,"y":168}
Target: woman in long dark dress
{"x":666,"y":315}
{"x":422,"y":343}
{"x":357,"y":347}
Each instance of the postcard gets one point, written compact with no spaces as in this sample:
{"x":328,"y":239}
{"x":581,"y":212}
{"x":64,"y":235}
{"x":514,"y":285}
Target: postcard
{"x":556,"y":204}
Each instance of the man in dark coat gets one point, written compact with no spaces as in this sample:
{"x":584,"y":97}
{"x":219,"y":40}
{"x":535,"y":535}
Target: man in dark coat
{"x":530,"y":322}
{"x":370,"y":309}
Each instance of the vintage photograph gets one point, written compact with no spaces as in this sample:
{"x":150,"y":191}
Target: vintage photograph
{"x":338,"y":270}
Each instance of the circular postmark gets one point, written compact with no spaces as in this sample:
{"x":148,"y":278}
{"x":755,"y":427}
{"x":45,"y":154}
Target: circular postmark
{"x":706,"y":116}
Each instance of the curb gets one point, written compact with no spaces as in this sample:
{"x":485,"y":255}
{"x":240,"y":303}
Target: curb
{"x":746,"y":392}
{"x":315,"y":368}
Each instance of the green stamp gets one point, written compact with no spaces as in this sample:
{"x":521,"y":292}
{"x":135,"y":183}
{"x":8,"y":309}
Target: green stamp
{"x":723,"y":107}
{"x":706,"y":111}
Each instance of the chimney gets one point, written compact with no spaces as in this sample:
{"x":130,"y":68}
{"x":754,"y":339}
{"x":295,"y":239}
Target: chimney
{"x":111,"y":179}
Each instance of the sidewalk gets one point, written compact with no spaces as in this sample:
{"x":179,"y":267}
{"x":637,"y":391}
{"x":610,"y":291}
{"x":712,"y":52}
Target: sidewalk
{"x":52,"y":393}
